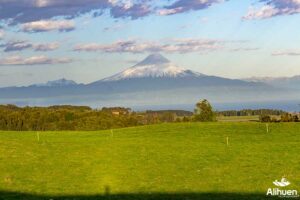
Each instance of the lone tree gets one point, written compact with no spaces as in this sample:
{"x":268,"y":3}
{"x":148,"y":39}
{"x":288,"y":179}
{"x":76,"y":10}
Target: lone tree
{"x":204,"y":112}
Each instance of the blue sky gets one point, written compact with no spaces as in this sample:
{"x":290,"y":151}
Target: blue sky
{"x":87,"y":40}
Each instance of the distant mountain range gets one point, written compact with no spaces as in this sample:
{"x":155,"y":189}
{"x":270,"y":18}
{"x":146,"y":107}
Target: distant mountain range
{"x":281,"y":82}
{"x":56,"y":83}
{"x":155,"y":81}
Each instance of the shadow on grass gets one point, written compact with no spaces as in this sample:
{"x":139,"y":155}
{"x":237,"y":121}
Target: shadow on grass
{"x":142,"y":196}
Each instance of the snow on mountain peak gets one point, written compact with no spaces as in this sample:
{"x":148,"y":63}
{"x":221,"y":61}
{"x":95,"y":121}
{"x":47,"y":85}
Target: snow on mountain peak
{"x":154,"y":66}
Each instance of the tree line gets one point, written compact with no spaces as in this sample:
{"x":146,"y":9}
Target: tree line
{"x":250,"y":112}
{"x":286,"y":117}
{"x":265,"y":115}
{"x":69,"y":117}
{"x":64,"y":118}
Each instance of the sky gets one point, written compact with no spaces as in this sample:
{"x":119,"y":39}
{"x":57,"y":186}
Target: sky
{"x":88,"y":40}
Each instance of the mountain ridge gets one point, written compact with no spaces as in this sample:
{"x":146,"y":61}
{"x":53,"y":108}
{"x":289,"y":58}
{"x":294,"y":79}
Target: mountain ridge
{"x":269,"y":78}
{"x":56,"y":83}
{"x":280,"y":82}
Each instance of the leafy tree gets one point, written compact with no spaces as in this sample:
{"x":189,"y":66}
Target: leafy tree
{"x":286,"y":117}
{"x":265,"y":118}
{"x":204,"y":112}
{"x":295,"y":118}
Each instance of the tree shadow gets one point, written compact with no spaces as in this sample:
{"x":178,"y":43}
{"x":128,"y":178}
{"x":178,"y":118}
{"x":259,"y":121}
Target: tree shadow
{"x":139,"y":196}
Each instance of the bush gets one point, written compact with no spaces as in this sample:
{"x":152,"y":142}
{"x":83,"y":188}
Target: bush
{"x":265,"y":118}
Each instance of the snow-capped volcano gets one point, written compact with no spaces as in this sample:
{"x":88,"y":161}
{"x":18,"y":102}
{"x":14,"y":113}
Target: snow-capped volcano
{"x":154,"y":66}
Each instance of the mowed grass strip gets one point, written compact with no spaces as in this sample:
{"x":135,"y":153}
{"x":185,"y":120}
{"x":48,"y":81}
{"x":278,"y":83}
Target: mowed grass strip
{"x":165,"y":158}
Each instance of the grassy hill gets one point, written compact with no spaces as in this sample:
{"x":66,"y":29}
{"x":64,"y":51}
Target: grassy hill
{"x":167,"y":161}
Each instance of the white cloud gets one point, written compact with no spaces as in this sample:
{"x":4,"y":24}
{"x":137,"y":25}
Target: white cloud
{"x":42,"y":3}
{"x":286,"y":53}
{"x":245,"y":49}
{"x":17,"y":45}
{"x":184,"y":45}
{"x":20,"y":45}
{"x":2,"y":33}
{"x":181,"y":6}
{"x":273,"y":8}
{"x":46,"y":47}
{"x":261,"y":13}
{"x":164,"y":12}
{"x":171,"y":46}
{"x":48,"y":25}
{"x":34,"y":60}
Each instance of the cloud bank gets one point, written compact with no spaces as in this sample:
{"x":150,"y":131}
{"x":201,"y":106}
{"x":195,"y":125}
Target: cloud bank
{"x":36,"y":13}
{"x":34,"y":60}
{"x":272,"y":8}
{"x":23,"y":45}
{"x":286,"y":53}
{"x":185,"y":45}
{"x":173,"y":46}
{"x":181,"y":6}
{"x":25,"y":11}
{"x":48,"y":25}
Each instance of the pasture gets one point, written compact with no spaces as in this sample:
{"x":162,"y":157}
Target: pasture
{"x":254,"y":118}
{"x":232,"y":160}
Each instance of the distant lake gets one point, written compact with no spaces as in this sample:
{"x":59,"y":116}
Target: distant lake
{"x":290,"y":106}
{"x":106,"y":101}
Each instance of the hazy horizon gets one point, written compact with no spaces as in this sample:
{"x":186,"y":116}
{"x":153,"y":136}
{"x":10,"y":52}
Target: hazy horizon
{"x":64,"y":78}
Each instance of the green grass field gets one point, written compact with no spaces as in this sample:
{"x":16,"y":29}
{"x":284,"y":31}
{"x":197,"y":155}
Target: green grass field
{"x":167,"y":161}
{"x":253,"y":118}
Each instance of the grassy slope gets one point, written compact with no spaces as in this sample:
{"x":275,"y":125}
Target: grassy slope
{"x":167,"y":158}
